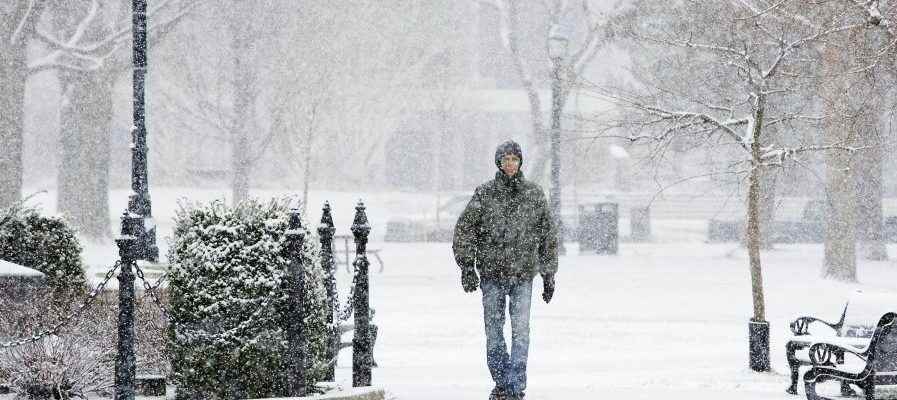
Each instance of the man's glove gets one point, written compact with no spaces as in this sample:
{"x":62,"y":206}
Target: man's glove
{"x":547,"y":287}
{"x":469,"y":279}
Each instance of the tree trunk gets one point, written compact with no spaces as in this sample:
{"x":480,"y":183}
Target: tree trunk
{"x":539,"y":156}
{"x":244,"y":104}
{"x":840,"y":229}
{"x":768,"y":179}
{"x":753,"y":217}
{"x":870,"y":216}
{"x":16,"y":27}
{"x":539,"y":137}
{"x":85,"y":129}
{"x":12,"y":79}
{"x":869,"y":161}
{"x":766,"y":208}
{"x":768,"y":187}
{"x":307,"y":173}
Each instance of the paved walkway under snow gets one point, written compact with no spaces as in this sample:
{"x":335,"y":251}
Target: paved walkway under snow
{"x":656,"y":321}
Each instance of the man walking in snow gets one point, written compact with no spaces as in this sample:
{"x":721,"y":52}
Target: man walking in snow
{"x":506,"y":234}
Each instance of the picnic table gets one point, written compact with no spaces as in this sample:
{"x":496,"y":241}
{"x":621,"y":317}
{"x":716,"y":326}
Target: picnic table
{"x":347,"y":255}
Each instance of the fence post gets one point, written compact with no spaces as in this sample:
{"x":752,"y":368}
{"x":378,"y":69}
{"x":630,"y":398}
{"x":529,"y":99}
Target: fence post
{"x":295,"y":238}
{"x":326,"y":231}
{"x":362,"y":353}
{"x":125,"y":361}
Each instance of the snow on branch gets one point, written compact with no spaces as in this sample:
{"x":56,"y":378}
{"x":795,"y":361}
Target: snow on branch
{"x":96,"y":55}
{"x":802,"y":41}
{"x":685,"y":120}
{"x":600,"y":32}
{"x":758,"y":12}
{"x":511,"y":15}
{"x":22,"y":23}
{"x":712,"y":48}
{"x":72,"y":45}
{"x":777,"y":157}
{"x":789,"y":118}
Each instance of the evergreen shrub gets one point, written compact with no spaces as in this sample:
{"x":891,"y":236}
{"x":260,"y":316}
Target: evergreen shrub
{"x":44,"y":243}
{"x":228,"y":300}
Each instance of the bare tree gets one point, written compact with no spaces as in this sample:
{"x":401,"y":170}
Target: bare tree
{"x":855,"y":76}
{"x":749,"y":57}
{"x":527,"y":45}
{"x":88,"y":51}
{"x":322,"y":86}
{"x":219,"y":91}
{"x":868,"y":53}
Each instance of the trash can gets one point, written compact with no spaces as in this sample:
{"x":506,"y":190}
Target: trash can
{"x":588,"y":228}
{"x":598,"y":228}
{"x":608,"y":228}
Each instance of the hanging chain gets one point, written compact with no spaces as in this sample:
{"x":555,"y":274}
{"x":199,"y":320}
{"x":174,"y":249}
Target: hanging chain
{"x":160,"y":280}
{"x":151,"y":290}
{"x":69,"y":318}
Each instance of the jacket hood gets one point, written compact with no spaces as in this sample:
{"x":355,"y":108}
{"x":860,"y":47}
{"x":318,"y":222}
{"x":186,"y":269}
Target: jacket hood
{"x":509,"y":147}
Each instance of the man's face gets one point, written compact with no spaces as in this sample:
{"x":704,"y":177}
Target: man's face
{"x":510,"y":164}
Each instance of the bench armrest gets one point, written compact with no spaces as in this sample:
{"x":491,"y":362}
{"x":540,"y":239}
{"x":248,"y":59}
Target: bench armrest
{"x":801,"y":326}
{"x":821,"y":353}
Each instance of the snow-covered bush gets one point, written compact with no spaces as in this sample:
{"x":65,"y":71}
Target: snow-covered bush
{"x":41,"y":367}
{"x":58,"y":367}
{"x":46,"y":244}
{"x":228,"y":300}
{"x":152,"y":345}
{"x":76,"y":361}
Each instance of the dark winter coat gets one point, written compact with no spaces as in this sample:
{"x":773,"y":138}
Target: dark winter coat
{"x":506,"y":230}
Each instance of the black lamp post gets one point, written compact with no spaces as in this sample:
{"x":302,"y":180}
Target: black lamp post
{"x":558,"y":41}
{"x":139,"y":200}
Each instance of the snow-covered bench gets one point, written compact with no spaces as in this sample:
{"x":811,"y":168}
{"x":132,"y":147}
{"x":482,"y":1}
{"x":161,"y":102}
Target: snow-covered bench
{"x":874,"y":365}
{"x":808,"y":331}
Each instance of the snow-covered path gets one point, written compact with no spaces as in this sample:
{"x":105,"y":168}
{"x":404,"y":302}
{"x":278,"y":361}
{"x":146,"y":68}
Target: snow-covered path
{"x":655,"y":321}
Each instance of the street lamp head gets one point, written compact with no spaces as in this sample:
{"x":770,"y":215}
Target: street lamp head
{"x":558,"y":41}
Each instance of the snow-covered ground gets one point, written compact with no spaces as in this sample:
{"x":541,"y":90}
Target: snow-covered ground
{"x":655,"y":321}
{"x":666,"y":319}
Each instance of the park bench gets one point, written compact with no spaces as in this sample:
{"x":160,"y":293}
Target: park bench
{"x":809,"y":330}
{"x":877,"y":362}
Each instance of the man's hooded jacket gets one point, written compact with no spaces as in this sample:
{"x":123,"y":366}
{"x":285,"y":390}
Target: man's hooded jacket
{"x":506,"y":230}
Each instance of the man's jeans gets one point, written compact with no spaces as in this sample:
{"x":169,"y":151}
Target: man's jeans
{"x":508,"y":372}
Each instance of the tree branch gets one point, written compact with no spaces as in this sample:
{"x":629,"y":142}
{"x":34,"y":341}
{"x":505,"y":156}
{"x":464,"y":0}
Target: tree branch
{"x":25,"y":20}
